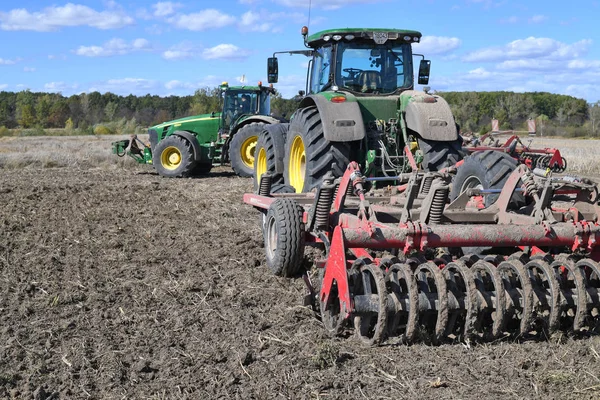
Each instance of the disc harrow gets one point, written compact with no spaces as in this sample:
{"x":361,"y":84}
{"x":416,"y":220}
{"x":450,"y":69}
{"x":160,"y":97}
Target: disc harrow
{"x":406,"y":264}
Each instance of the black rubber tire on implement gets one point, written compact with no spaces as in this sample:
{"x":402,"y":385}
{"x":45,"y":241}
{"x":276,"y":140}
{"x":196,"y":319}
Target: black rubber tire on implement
{"x":438,"y":155}
{"x":284,"y":237}
{"x":272,"y":140}
{"x":491,"y":169}
{"x":184,"y":148}
{"x":238,"y":165}
{"x":321,"y":155}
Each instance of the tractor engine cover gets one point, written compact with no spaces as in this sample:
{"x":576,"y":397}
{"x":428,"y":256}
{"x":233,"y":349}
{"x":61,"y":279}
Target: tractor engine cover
{"x":431,"y":117}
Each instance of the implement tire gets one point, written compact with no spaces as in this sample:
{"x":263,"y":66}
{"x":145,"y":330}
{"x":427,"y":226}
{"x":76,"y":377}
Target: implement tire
{"x":487,"y":169}
{"x":284,"y":237}
{"x":438,"y":155}
{"x":308,"y":155}
{"x":242,"y":149}
{"x":269,"y":153}
{"x":174,"y":157}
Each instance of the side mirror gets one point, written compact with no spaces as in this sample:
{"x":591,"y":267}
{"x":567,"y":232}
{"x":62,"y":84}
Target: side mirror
{"x":272,"y":69}
{"x":424,"y":68}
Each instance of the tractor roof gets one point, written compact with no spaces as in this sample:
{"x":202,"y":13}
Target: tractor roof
{"x":319,"y":38}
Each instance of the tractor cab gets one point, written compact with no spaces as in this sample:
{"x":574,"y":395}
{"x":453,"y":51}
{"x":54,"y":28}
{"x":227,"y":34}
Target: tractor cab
{"x":244,"y":101}
{"x":361,"y":61}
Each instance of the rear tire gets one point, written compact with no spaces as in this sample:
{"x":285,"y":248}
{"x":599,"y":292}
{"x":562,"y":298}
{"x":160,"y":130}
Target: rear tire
{"x":284,"y":237}
{"x":308,"y":155}
{"x":438,"y":155}
{"x":269,"y":153}
{"x":242,"y":149}
{"x":174,"y":157}
{"x":488,"y":169}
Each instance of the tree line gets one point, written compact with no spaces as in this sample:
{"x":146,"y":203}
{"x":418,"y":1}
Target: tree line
{"x":555,"y":114}
{"x":473,"y":111}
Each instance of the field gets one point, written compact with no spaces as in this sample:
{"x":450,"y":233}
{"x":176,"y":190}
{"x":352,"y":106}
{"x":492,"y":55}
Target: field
{"x":116,"y":283}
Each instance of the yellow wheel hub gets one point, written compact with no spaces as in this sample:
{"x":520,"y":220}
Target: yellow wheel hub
{"x":297,"y":164}
{"x":261,"y":165}
{"x":170,"y":158}
{"x":247,"y":151}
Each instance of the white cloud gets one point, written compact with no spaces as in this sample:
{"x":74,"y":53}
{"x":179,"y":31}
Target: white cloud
{"x":584,"y":64}
{"x":431,"y":45}
{"x":203,"y":20}
{"x":165,"y":8}
{"x":3,"y":86}
{"x":531,"y":47}
{"x":54,"y":17}
{"x":537,"y":19}
{"x":224,"y":52}
{"x":264,"y":21}
{"x":28,"y":69}
{"x":126,"y":86}
{"x":181,"y":51}
{"x":114,"y":47}
{"x":60,"y":87}
{"x":510,"y":20}
{"x":4,"y":61}
{"x":251,"y":21}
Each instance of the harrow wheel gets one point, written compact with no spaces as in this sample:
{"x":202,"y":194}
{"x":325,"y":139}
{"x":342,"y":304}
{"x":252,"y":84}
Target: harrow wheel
{"x":433,"y":299}
{"x":591,"y":274}
{"x":370,"y":299}
{"x":284,"y":237}
{"x":461,"y":285}
{"x":518,"y":287}
{"x":546,"y":291}
{"x":401,"y":284}
{"x":571,"y":282}
{"x":490,"y":320}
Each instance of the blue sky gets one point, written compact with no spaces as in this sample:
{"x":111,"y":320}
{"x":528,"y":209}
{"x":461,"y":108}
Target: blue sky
{"x":133,"y":46}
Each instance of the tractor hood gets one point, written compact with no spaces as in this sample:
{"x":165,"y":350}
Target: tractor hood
{"x":190,"y":119}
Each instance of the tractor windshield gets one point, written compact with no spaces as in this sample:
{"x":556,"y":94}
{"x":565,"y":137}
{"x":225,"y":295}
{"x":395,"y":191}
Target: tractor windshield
{"x":238,"y":103}
{"x":377,"y":69}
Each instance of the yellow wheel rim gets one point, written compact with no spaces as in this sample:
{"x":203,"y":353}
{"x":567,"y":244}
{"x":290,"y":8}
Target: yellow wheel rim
{"x":297,"y":164}
{"x":261,"y":165}
{"x":247,"y":151}
{"x":170,"y":158}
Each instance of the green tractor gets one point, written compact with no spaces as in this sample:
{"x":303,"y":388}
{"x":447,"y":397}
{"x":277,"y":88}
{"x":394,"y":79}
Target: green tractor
{"x":360,"y":106}
{"x":192,"y":145}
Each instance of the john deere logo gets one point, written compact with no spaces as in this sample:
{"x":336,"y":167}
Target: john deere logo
{"x":380,"y":37}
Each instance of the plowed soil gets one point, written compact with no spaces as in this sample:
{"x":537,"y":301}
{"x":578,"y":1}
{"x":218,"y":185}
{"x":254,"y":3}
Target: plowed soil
{"x":121,"y":284}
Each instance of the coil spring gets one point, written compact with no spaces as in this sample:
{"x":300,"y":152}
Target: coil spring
{"x":324,"y":206}
{"x":529,"y":184}
{"x":437,"y":204}
{"x":265,"y":185}
{"x":427,"y":181}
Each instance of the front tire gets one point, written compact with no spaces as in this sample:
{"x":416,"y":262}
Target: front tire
{"x":242,"y":149}
{"x":174,"y":157}
{"x":308,"y":155}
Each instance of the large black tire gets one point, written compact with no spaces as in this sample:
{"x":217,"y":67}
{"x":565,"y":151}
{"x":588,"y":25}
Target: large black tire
{"x":269,"y":153}
{"x":320,"y":155}
{"x":174,"y":157}
{"x":438,"y":155}
{"x":284,"y":237}
{"x":242,"y":149}
{"x":488,"y":169}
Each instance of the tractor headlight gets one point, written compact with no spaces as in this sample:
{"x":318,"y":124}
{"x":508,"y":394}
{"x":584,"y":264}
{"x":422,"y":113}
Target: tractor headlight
{"x":337,"y":37}
{"x":327,"y":38}
{"x":407,"y":38}
{"x":349,"y":37}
